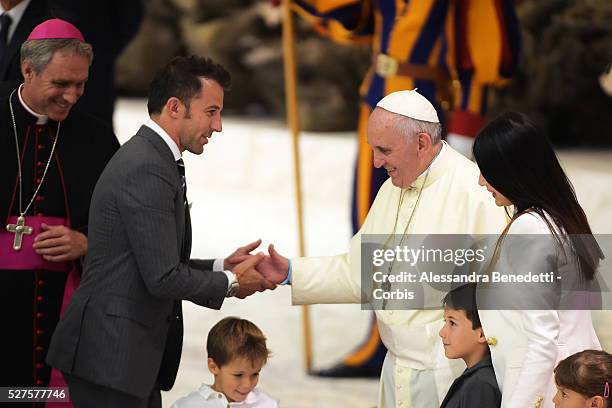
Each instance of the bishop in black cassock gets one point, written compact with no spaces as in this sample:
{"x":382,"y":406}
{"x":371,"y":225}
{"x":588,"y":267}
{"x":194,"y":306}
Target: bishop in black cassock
{"x":31,"y":298}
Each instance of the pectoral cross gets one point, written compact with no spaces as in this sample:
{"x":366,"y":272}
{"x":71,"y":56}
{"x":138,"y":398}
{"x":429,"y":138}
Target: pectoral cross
{"x":19,"y":229}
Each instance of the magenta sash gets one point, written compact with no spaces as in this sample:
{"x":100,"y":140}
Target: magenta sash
{"x":27,"y":259}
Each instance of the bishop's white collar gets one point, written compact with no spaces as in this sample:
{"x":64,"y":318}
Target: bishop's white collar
{"x":40,"y":119}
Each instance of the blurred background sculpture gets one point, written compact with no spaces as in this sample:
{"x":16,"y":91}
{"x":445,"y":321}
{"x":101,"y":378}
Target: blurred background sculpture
{"x":244,"y":35}
{"x":567,"y":45}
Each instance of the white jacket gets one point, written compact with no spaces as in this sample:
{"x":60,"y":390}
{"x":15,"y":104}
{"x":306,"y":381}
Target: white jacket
{"x":528,"y":344}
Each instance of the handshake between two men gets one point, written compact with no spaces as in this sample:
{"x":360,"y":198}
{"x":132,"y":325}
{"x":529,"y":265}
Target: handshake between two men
{"x":257,"y":272}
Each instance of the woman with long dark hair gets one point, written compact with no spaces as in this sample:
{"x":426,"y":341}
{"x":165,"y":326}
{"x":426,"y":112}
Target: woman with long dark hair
{"x":520,"y":169}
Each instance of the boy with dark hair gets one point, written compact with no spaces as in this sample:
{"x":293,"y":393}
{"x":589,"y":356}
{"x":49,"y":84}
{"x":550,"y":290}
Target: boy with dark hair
{"x":236,"y":353}
{"x":463,"y":337}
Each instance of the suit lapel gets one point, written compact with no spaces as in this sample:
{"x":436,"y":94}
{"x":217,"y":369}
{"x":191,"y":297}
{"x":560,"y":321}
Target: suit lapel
{"x":452,"y":390}
{"x":161,"y":146}
{"x":183,"y":218}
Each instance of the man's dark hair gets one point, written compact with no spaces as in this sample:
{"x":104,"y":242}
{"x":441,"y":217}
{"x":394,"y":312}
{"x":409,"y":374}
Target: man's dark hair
{"x":181,"y":78}
{"x":464,"y":298}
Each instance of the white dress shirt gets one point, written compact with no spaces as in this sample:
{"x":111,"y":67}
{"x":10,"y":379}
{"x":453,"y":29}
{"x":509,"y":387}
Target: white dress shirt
{"x":206,"y":397}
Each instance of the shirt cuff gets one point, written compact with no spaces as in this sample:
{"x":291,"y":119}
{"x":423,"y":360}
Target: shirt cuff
{"x":218,"y":265}
{"x":230,"y":278}
{"x":289,"y":274}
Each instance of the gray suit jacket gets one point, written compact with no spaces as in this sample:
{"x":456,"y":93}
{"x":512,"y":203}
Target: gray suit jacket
{"x":123,"y":327}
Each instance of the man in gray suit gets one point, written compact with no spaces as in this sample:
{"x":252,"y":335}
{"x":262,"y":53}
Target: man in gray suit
{"x":119,"y":341}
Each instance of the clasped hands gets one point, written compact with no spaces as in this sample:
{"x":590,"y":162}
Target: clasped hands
{"x":256,"y":272}
{"x":58,"y":243}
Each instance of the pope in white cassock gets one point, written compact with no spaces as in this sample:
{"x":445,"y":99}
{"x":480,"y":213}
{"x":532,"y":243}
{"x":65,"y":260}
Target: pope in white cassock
{"x":432,"y":190}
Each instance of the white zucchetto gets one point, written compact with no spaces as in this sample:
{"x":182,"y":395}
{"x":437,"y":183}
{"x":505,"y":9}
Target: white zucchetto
{"x":410,"y":104}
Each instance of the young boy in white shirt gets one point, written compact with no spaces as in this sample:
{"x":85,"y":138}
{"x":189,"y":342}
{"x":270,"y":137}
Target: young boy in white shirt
{"x":236,"y":353}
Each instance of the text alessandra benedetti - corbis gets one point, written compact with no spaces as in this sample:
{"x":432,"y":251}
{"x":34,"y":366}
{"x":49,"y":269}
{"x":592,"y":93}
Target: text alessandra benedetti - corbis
{"x":493,"y":277}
